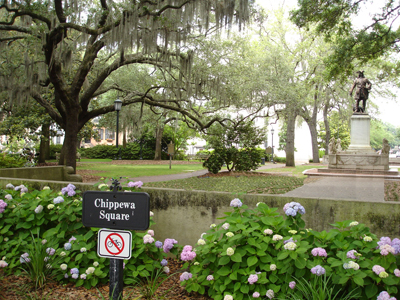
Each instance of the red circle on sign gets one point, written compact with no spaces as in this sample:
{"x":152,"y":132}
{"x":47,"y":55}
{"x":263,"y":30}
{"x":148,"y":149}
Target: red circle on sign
{"x":110,"y":243}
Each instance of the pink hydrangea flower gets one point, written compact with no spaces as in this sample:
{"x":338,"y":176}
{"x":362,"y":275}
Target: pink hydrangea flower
{"x":256,"y":295}
{"x":352,"y":254}
{"x":292,"y":284}
{"x":377,"y":269}
{"x":187,"y":253}
{"x":252,"y":278}
{"x":185,"y":276}
{"x":319,"y":252}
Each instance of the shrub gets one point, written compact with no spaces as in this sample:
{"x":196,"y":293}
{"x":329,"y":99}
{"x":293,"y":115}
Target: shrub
{"x":58,"y":218}
{"x":130,"y":152}
{"x":258,"y":251}
{"x":214,"y":163}
{"x":11,"y":161}
{"x":279,"y":159}
{"x":54,"y":149}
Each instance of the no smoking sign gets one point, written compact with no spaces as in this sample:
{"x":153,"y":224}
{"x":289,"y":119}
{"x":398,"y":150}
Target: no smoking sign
{"x":114,"y":244}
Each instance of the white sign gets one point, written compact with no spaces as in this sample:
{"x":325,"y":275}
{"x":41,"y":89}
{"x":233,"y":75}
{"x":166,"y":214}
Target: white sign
{"x":114,"y":244}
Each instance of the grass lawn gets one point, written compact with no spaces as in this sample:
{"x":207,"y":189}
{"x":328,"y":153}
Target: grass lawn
{"x":295,"y":171}
{"x":127,"y":170}
{"x":273,"y":184}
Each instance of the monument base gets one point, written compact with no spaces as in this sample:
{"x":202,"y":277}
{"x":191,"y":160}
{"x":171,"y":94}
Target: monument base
{"x":359,"y":161}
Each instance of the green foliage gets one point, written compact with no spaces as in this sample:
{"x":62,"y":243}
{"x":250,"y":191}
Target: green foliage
{"x":339,"y":128}
{"x":149,"y":285}
{"x":54,"y":149}
{"x":320,"y":288}
{"x":130,"y":152}
{"x":75,"y":245}
{"x":260,"y":241}
{"x":11,"y":161}
{"x":40,"y":263}
{"x":379,"y":131}
{"x":234,"y":146}
{"x":279,"y":159}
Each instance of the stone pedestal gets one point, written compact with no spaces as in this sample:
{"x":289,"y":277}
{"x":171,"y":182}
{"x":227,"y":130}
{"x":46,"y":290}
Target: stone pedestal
{"x":360,"y":125}
{"x":359,"y":155}
{"x":361,"y":161}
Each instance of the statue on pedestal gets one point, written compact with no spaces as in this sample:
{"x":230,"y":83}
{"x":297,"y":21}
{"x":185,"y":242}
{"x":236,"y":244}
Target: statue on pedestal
{"x":385,"y":147}
{"x":338,"y":145}
{"x":363,"y":86}
{"x":332,"y":146}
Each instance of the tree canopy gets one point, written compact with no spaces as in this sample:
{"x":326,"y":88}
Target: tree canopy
{"x":69,"y":51}
{"x":379,"y":36}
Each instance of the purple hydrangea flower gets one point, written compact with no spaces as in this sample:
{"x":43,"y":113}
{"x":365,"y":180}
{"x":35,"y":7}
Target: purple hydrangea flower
{"x":74,"y":271}
{"x":164,"y":262}
{"x":236,"y":203}
{"x":67,"y":246}
{"x":385,"y":296}
{"x":185,"y":276}
{"x":169,"y":244}
{"x":256,"y":295}
{"x":69,"y":189}
{"x":292,"y":208}
{"x":252,"y":278}
{"x":136,"y":184}
{"x":210,"y":277}
{"x":187,"y":253}
{"x":318,"y":270}
{"x":50,"y":251}
{"x":72,"y":239}
{"x":319,"y":252}
{"x":292,"y":284}
{"x":159,"y":244}
{"x":2,"y":206}
{"x":377,"y":269}
{"x":352,"y":254}
{"x":24,"y":258}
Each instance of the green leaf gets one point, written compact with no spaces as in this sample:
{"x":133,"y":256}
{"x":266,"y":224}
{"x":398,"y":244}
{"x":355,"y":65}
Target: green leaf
{"x":371,"y":290}
{"x":224,"y":260}
{"x":282,"y":255}
{"x":224,"y":271}
{"x":236,"y":257}
{"x":300,"y":263}
{"x":358,"y":281}
{"x":251,"y":261}
{"x":244,"y":289}
{"x":236,"y":286}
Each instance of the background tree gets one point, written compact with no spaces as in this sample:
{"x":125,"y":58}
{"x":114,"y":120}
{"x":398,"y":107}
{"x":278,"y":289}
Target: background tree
{"x":74,"y":48}
{"x":234,"y":145}
{"x":377,"y":38}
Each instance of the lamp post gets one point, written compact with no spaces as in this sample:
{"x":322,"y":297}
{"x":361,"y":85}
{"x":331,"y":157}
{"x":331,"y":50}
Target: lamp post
{"x":272,"y":146}
{"x":118,"y":106}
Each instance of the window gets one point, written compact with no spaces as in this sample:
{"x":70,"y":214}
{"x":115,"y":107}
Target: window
{"x":58,"y":140}
{"x":101,"y":133}
{"x":109,"y":134}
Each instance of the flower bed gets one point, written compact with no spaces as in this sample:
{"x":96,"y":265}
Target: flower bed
{"x":252,"y":253}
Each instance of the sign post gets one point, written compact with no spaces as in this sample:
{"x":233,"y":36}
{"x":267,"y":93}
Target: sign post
{"x":115,"y":210}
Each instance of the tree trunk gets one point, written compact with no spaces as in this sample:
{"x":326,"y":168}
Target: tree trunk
{"x":44,"y":141}
{"x":71,"y":138}
{"x":159,"y":134}
{"x":327,"y":128}
{"x":61,"y":160}
{"x":291,"y":124}
{"x":124,"y":138}
{"x":312,"y":125}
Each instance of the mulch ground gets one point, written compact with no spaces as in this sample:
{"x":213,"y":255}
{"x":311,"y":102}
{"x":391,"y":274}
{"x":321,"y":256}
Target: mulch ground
{"x":20,"y":288}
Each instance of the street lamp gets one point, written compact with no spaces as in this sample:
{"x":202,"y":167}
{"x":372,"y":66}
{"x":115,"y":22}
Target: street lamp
{"x":272,"y":142}
{"x":118,"y":106}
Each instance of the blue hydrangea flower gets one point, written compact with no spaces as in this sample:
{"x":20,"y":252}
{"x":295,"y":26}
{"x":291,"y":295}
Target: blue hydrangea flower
{"x":74,"y":271}
{"x":158,"y":244}
{"x":67,"y":246}
{"x":164,"y":262}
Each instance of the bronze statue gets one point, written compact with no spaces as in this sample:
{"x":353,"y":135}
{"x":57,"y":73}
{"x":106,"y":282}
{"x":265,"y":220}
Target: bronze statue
{"x":363,"y":86}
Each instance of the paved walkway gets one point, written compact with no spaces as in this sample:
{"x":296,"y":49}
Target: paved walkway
{"x":343,"y":188}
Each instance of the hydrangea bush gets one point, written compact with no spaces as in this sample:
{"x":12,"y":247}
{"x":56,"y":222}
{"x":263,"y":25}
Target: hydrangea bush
{"x":257,"y":253}
{"x":56,"y":216}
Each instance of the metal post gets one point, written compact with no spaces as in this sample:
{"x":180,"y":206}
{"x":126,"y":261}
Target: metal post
{"x":119,"y":150}
{"x":170,"y":158}
{"x":116,"y":279}
{"x":272,"y":140}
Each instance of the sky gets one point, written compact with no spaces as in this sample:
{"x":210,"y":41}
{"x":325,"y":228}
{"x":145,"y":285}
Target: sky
{"x":387,"y":113}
